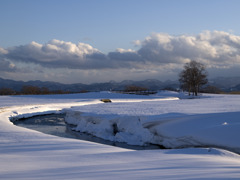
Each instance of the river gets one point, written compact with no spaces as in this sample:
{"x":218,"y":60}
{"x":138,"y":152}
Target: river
{"x":54,"y":124}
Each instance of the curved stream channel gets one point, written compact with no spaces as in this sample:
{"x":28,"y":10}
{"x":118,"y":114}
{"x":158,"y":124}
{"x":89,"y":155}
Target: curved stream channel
{"x":54,"y":124}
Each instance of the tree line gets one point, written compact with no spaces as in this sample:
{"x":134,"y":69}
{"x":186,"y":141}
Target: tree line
{"x":31,"y":90}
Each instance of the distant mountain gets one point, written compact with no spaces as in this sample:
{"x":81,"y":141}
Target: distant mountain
{"x":150,"y":84}
{"x":235,"y":88}
{"x":53,"y":86}
{"x":223,"y":83}
{"x":226,"y":83}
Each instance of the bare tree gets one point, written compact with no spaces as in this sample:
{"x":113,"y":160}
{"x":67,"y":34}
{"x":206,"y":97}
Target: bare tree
{"x":133,"y":88}
{"x":31,"y":90}
{"x":193,"y":76}
{"x":7,"y":91}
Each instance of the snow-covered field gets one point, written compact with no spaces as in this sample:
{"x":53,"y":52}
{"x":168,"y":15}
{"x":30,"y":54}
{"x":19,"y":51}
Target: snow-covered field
{"x":212,"y":121}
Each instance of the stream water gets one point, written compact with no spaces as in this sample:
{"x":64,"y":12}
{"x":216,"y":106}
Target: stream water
{"x":54,"y":124}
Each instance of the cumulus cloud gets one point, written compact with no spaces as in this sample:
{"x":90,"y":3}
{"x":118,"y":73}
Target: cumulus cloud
{"x":57,"y":54}
{"x":215,"y":48}
{"x":3,"y":51}
{"x":60,"y":54}
{"x":125,"y":58}
{"x":7,"y":66}
{"x":163,"y":48}
{"x":159,"y":51}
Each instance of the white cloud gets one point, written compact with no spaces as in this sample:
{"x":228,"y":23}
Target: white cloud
{"x":3,"y":51}
{"x":215,"y":48}
{"x":125,"y":50}
{"x":7,"y":66}
{"x":55,"y":54}
{"x":158,"y":52}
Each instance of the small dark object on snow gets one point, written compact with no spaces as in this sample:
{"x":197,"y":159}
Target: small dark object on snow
{"x":106,"y":100}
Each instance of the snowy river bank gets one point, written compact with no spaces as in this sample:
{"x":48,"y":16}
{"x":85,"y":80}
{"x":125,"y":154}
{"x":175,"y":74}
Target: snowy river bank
{"x":214,"y":119}
{"x":54,"y":124}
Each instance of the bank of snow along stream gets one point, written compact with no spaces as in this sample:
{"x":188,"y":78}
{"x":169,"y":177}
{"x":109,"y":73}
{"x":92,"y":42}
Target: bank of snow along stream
{"x":209,"y":121}
{"x":167,"y":119}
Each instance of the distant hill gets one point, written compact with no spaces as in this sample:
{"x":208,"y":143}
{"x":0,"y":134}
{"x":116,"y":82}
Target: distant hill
{"x":150,"y":84}
{"x":223,"y":83}
{"x":53,"y":86}
{"x":226,"y":83}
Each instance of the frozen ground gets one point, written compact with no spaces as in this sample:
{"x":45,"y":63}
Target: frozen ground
{"x":212,"y":120}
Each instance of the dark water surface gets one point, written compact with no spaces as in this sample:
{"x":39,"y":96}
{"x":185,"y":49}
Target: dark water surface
{"x":54,"y":124}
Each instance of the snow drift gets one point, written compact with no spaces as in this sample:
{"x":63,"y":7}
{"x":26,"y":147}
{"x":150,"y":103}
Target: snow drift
{"x":205,"y":122}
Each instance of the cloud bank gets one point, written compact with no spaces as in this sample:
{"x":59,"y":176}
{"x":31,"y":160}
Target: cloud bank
{"x":159,"y":51}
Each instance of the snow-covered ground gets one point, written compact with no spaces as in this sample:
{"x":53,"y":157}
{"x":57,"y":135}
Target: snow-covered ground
{"x":212,"y":120}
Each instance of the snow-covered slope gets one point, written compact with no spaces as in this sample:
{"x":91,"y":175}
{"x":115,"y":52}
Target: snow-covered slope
{"x":27,"y":154}
{"x":211,"y":121}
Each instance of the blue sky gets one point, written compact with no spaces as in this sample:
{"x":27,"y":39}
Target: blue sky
{"x":107,"y":25}
{"x":111,"y":24}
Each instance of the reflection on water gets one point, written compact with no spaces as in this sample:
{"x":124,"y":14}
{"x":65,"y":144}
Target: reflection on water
{"x":54,"y":124}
